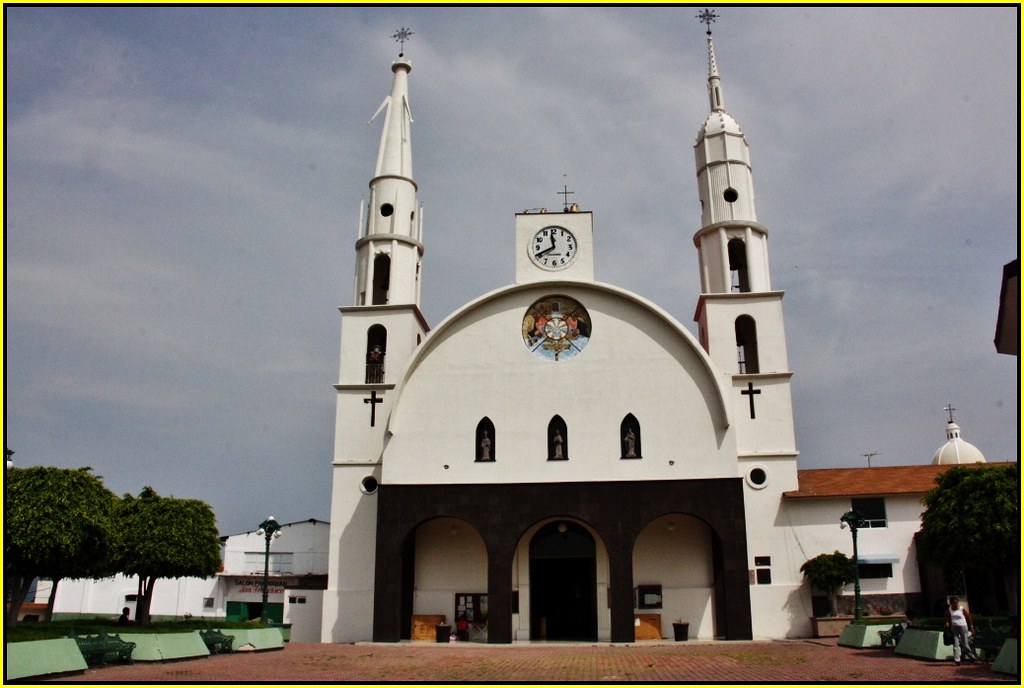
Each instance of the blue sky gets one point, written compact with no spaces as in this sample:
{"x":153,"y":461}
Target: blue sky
{"x":183,"y":189}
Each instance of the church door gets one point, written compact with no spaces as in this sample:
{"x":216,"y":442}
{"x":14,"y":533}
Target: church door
{"x":563,"y":583}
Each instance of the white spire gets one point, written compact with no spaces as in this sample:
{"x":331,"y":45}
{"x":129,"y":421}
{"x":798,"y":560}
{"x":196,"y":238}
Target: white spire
{"x":714,"y":81}
{"x":394,"y":157}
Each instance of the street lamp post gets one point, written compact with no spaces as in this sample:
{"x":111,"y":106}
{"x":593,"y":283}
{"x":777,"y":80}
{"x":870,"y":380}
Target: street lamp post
{"x":855,"y":521}
{"x":8,"y":579}
{"x":268,"y":529}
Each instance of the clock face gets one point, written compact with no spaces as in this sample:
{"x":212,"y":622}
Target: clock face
{"x":553,"y":248}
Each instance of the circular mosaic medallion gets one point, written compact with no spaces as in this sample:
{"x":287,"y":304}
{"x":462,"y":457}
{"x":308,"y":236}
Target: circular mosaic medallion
{"x":556,"y":328}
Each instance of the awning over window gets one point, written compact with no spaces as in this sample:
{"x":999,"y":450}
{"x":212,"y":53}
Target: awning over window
{"x":877,"y":559}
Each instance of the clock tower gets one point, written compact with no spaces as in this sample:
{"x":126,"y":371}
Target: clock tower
{"x":555,"y":246}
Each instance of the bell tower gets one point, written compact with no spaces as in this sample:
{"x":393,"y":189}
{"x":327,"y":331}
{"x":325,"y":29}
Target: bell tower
{"x":738,"y":313}
{"x":379,"y":333}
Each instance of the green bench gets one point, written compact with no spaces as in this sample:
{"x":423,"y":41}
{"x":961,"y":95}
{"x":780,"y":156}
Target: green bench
{"x":216,"y":642}
{"x":100,"y":649}
{"x":891,"y":637}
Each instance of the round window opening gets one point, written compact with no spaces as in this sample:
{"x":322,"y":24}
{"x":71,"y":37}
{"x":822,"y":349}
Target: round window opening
{"x":387,"y":209}
{"x":556,"y":328}
{"x":730,"y":195}
{"x":757,"y":478}
{"x":369,"y":485}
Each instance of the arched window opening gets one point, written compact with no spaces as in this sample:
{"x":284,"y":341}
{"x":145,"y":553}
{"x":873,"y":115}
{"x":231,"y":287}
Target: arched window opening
{"x":746,"y":345}
{"x":558,"y":440}
{"x":629,"y":434}
{"x":376,"y":349}
{"x":381,"y":279}
{"x":739,"y":276}
{"x":485,"y":440}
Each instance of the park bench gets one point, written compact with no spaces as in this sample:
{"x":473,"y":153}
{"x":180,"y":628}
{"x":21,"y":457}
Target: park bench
{"x":216,"y":642}
{"x":891,"y":637}
{"x":102,"y":648}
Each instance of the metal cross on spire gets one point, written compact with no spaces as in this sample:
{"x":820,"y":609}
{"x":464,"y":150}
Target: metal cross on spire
{"x":401,"y":36}
{"x":707,"y":17}
{"x":948,"y":408}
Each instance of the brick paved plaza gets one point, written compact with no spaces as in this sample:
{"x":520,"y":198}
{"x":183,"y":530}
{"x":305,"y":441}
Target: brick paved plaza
{"x":805,"y":661}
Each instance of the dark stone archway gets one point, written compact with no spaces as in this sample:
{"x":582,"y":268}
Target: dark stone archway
{"x":617,"y":511}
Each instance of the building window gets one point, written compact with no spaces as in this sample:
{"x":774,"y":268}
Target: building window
{"x":874,"y":571}
{"x":558,"y":440}
{"x":485,"y":440}
{"x":757,"y":477}
{"x":746,"y":345}
{"x":872,"y":509}
{"x":629,"y":434}
{"x":381,"y":278}
{"x":278,"y":564}
{"x":763,"y":570}
{"x":207,"y":603}
{"x":376,"y":351}
{"x":296,"y":600}
{"x":739,"y":277}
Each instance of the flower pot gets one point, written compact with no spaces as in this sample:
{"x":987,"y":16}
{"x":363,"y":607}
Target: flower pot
{"x":681,"y":631}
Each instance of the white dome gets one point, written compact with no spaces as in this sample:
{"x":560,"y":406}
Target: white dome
{"x":718,"y":122}
{"x":956,"y":450}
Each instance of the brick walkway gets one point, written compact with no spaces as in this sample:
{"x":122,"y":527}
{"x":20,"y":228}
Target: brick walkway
{"x":803,"y":661}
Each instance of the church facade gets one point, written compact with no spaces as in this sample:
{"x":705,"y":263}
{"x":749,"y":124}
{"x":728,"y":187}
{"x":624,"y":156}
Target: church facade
{"x":560,"y":458}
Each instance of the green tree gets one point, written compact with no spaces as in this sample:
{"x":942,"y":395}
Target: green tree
{"x":973,"y":516}
{"x":972,"y":519}
{"x":60,"y":525}
{"x":164,"y":537}
{"x":830,"y":572}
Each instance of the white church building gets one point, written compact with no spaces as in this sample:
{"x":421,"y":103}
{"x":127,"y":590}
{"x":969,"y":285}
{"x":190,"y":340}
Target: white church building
{"x":563,"y":459}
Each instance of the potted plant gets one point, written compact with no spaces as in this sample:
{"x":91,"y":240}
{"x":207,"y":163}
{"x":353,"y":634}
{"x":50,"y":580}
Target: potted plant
{"x":829,"y":572}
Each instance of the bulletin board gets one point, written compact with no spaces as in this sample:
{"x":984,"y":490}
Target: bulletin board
{"x":472,"y":605}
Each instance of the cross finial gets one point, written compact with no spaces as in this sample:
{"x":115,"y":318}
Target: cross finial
{"x":707,"y":17}
{"x":401,"y":36}
{"x":948,"y":408}
{"x":565,"y":193}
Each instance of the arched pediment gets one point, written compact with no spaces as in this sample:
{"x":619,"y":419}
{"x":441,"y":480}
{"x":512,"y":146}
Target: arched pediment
{"x":483,"y":360}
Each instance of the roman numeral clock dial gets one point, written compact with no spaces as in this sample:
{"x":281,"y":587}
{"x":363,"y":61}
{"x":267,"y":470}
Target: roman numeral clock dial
{"x":553,"y":248}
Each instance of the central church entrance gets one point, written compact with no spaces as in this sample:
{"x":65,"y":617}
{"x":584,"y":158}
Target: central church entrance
{"x":563,"y":583}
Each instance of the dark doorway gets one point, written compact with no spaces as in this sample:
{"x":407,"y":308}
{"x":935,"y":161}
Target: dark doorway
{"x":563,"y":583}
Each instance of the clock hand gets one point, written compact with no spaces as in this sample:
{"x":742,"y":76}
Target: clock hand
{"x":546,"y":251}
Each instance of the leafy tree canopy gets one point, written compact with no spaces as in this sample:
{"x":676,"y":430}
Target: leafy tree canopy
{"x":973,"y":516}
{"x":164,"y":537}
{"x":829,"y":572}
{"x":59,"y":522}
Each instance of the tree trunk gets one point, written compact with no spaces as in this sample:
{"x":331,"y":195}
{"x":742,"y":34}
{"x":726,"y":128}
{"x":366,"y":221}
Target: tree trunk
{"x":49,"y":602}
{"x":833,"y":602}
{"x":145,"y":599}
{"x":20,"y":586}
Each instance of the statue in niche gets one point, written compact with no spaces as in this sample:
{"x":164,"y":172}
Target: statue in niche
{"x":557,"y":441}
{"x":485,"y":448}
{"x":629,"y":442}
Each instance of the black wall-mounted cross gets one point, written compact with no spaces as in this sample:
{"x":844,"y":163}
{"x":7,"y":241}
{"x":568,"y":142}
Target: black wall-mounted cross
{"x":373,"y":401}
{"x":750,"y":392}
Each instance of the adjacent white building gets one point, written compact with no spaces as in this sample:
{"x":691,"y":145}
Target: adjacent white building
{"x":563,"y":459}
{"x":298,"y":572}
